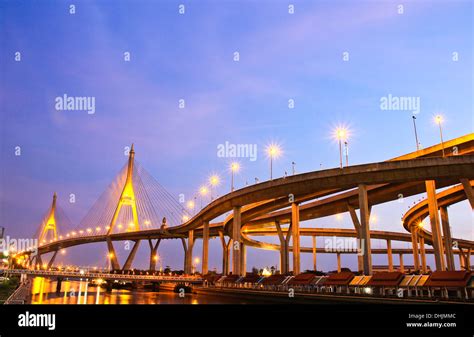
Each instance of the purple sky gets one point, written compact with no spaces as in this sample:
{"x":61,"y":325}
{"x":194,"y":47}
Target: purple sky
{"x":282,"y":56}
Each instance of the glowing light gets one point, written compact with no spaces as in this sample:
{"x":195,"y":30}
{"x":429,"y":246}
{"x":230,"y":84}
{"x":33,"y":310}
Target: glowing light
{"x":190,"y":204}
{"x":197,"y":260}
{"x":374,"y":218}
{"x":74,"y":233}
{"x":214,"y":180}
{"x":438,"y":119}
{"x":203,"y":190}
{"x":119,"y":226}
{"x":339,"y":216}
{"x":131,"y":224}
{"x":341,"y":133}
{"x":81,"y":232}
{"x":97,"y":229}
{"x":111,"y":255}
{"x":266,"y":272}
{"x":63,"y":251}
{"x":235,"y":167}
{"x":185,"y":218}
{"x":147,"y":222}
{"x":273,"y":151}
{"x":421,"y":224}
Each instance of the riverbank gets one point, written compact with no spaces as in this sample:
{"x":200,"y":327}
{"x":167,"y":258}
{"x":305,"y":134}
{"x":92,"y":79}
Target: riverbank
{"x":266,"y":297}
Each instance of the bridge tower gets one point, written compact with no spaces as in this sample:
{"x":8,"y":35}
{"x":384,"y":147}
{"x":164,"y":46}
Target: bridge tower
{"x":127,"y":197}
{"x":50,"y":223}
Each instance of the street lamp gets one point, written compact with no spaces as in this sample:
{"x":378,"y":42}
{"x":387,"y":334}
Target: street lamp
{"x":341,"y":135}
{"x":234,"y":167}
{"x":196,"y":262}
{"x":190,"y":204}
{"x":273,"y":151}
{"x":439,"y":120}
{"x":346,"y":150}
{"x":214,"y":180}
{"x":203,"y":192}
{"x":416,"y":134}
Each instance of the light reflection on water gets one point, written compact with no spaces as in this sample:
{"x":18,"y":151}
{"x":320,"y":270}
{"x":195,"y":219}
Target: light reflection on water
{"x":43,"y":291}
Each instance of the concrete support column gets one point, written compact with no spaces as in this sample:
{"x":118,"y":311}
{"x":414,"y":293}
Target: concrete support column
{"x":243,"y":259}
{"x":236,"y":251}
{"x":295,"y":223}
{"x":314,"y":253}
{"x":112,"y":255}
{"x":365,"y":230}
{"x":225,"y":253}
{"x":153,"y":253}
{"x":131,"y":256}
{"x":414,"y":243}
{"x":466,"y":184}
{"x":468,"y":259}
{"x":189,"y":253}
{"x":461,"y":261}
{"x":50,"y":264}
{"x":402,"y":267}
{"x":434,"y":221}
{"x":389,"y":255}
{"x":284,"y":251}
{"x":338,"y":262}
{"x":205,"y":248}
{"x":448,"y":242}
{"x":422,"y":254}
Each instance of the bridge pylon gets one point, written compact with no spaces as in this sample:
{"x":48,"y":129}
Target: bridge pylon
{"x":127,"y":197}
{"x":50,"y":223}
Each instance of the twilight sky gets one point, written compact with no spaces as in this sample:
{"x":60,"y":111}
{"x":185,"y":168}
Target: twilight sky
{"x":335,"y":59}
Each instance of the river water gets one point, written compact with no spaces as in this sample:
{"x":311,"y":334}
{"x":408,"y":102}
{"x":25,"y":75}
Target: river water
{"x":43,"y":291}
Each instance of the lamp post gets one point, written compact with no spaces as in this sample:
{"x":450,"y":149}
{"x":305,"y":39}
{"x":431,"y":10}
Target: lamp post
{"x":214,"y":181}
{"x":234,"y":167}
{"x":439,"y":120}
{"x":203,"y":192}
{"x":273,"y":151}
{"x":346,"y":150}
{"x":341,"y":134}
{"x":416,"y":134}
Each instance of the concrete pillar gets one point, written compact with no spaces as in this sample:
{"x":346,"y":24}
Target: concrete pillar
{"x":243,"y":259}
{"x":131,"y":256}
{"x":448,"y":242}
{"x":422,"y":254}
{"x":365,"y":229}
{"x":50,"y":264}
{"x":389,"y":255}
{"x":153,"y":253}
{"x":295,"y":223}
{"x":205,"y":248}
{"x":189,"y":253}
{"x":112,"y":255}
{"x":402,"y":267}
{"x":468,"y":190}
{"x":414,"y":243}
{"x":225,"y":253}
{"x":283,"y":249}
{"x":338,"y":262}
{"x":434,"y":221}
{"x":185,"y":248}
{"x":314,"y":253}
{"x":236,"y":226}
{"x":461,"y":261}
